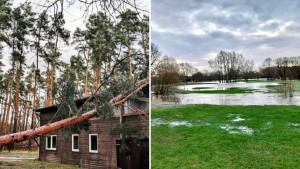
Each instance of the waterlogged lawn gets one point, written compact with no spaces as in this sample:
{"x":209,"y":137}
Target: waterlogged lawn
{"x":259,"y":81}
{"x":202,"y":88}
{"x":227,"y":91}
{"x":210,"y":136}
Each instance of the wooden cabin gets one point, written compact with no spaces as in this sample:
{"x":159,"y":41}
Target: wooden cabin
{"x":99,"y":147}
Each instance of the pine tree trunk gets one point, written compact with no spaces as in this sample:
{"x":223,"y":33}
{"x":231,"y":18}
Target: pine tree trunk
{"x":130,"y":65}
{"x":52,"y":72}
{"x":94,"y":79}
{"x":87,"y":72}
{"x":35,"y":88}
{"x":48,"y":100}
{"x":99,"y":74}
{"x":109,"y":66}
{"x":8,"y":104}
{"x":5,"y":115}
{"x":18,"y":78}
{"x":100,"y":66}
{"x":27,"y":117}
{"x":25,"y":111}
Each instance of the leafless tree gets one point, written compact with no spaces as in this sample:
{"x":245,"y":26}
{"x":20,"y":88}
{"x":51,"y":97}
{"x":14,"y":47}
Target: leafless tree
{"x":227,"y":65}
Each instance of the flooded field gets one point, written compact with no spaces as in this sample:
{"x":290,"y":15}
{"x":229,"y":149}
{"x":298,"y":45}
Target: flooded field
{"x":259,"y":97}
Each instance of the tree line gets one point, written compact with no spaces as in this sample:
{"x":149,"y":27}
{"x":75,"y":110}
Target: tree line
{"x":106,"y":48}
{"x":226,"y":67}
{"x":284,"y":68}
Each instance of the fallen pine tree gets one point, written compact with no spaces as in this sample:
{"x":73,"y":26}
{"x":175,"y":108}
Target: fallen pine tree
{"x":33,"y":133}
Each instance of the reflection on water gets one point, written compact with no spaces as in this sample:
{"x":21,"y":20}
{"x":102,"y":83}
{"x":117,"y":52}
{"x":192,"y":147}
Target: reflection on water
{"x":165,"y":100}
{"x":256,"y":98}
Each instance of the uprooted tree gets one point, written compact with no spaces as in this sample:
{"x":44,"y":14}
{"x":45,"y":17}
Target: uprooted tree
{"x":33,"y":133}
{"x":110,"y":60}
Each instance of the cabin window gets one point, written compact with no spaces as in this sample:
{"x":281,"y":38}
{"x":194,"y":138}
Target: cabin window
{"x":51,"y":142}
{"x":75,"y":142}
{"x":93,"y":143}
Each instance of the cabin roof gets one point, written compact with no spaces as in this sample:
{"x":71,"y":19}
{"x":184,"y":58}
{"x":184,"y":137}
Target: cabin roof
{"x":79,"y":102}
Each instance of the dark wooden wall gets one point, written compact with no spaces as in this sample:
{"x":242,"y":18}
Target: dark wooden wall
{"x":107,"y":153}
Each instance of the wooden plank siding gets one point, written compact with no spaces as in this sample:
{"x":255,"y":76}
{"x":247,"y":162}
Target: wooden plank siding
{"x":107,"y":150}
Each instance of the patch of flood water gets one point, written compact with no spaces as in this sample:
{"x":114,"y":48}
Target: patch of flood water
{"x":238,"y":118}
{"x":237,"y":129}
{"x":158,"y":121}
{"x":227,"y":99}
{"x":256,"y":98}
{"x":295,"y":124}
{"x":224,"y":86}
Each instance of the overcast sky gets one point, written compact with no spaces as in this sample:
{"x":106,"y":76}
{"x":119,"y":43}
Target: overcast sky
{"x":194,"y":31}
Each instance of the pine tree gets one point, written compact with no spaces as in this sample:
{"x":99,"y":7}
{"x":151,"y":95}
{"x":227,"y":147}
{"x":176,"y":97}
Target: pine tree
{"x":57,"y":32}
{"x":128,"y":28}
{"x":83,"y":41}
{"x":23,"y":19}
{"x":40,"y":31}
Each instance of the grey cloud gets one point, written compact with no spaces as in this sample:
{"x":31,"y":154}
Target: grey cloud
{"x":229,"y":17}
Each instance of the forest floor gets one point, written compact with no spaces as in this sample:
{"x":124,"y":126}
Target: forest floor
{"x":211,"y":136}
{"x":27,"y":160}
{"x":33,"y":164}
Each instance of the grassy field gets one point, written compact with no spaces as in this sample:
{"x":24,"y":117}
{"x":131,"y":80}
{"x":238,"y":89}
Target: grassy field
{"x":34,"y":164}
{"x":260,"y":81}
{"x":202,"y":87}
{"x":227,"y":91}
{"x":210,"y":136}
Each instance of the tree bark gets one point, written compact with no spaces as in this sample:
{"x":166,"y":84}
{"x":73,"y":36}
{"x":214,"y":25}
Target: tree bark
{"x":48,"y":100}
{"x":29,"y":134}
{"x":87,"y":72}
{"x":8,"y":108}
{"x":18,"y":78}
{"x":52,"y":72}
{"x":5,"y":115}
{"x":130,"y":64}
{"x":35,"y":87}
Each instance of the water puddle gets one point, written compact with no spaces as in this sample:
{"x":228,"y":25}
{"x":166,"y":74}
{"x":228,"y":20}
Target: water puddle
{"x":158,"y":121}
{"x":295,"y":124}
{"x":237,"y":118}
{"x":180,"y":123}
{"x":237,"y":129}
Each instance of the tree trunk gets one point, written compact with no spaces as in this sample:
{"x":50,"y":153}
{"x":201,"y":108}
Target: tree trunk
{"x":95,"y":78}
{"x":52,"y":72}
{"x":100,"y":66}
{"x":25,"y":110}
{"x":35,"y":89}
{"x":87,"y":72}
{"x":48,"y":100}
{"x":8,"y":108}
{"x":29,"y":134}
{"x":18,"y":78}
{"x":27,"y":117}
{"x":5,"y":115}
{"x":99,"y":74}
{"x":130,"y":65}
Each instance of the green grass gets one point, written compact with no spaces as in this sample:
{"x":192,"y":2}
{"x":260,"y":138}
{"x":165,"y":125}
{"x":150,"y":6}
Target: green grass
{"x":259,"y":81}
{"x":227,"y":91}
{"x":275,"y":142}
{"x":195,"y":83}
{"x":202,"y":88}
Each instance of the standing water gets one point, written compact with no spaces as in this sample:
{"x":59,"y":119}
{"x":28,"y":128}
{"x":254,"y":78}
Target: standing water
{"x":259,"y":97}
